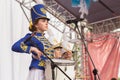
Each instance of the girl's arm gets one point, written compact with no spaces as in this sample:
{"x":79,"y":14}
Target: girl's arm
{"x":20,"y":46}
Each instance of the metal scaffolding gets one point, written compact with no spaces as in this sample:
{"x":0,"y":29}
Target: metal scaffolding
{"x":106,"y":26}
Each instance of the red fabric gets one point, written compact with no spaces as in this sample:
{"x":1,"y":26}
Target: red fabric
{"x":105,"y":53}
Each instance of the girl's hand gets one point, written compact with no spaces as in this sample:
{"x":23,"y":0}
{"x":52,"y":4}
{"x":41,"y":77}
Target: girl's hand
{"x":37,"y":51}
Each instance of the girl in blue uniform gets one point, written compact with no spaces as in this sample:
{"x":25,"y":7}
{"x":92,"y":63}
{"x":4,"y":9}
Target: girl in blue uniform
{"x":35,"y":43}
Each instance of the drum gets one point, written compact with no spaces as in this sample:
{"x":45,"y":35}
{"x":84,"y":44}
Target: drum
{"x":66,"y":65}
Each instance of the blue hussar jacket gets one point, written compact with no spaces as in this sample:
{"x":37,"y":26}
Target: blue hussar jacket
{"x":39,"y":41}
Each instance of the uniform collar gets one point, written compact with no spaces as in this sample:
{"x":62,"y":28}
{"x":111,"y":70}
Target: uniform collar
{"x":40,"y":34}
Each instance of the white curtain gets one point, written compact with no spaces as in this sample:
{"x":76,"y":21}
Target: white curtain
{"x":13,"y":26}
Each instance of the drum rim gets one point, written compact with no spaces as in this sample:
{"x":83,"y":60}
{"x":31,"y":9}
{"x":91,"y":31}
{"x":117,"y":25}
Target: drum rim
{"x":69,"y":63}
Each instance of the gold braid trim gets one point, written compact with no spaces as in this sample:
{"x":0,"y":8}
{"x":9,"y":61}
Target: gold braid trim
{"x":30,"y":25}
{"x":23,"y":46}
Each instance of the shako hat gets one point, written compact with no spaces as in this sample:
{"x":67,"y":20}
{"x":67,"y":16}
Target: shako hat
{"x":38,"y":12}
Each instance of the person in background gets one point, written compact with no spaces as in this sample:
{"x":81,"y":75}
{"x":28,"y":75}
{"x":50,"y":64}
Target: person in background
{"x":58,"y":52}
{"x":61,"y":53}
{"x":35,"y":43}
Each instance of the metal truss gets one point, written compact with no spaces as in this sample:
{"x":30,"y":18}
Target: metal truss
{"x":107,"y":25}
{"x":58,"y":11}
{"x":62,"y":15}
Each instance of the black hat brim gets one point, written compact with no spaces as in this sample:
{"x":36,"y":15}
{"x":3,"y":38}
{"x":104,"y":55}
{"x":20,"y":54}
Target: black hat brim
{"x":44,"y":18}
{"x":58,"y":47}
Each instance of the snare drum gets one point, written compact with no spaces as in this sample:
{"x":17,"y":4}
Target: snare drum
{"x":66,"y":65}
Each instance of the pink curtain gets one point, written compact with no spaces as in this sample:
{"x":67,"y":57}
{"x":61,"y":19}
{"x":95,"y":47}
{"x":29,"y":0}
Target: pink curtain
{"x":105,"y":53}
